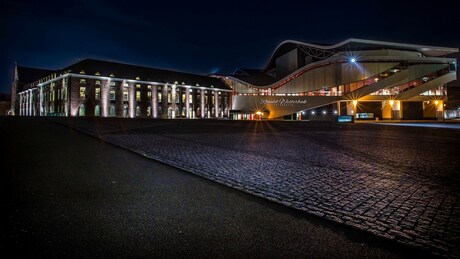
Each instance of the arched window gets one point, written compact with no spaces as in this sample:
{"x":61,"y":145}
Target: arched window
{"x":81,"y":110}
{"x":149,"y":111}
{"x":160,"y":110}
{"x":169,"y":112}
{"x":97,"y":110}
{"x":112,"y":110}
{"x":125,"y":111}
{"x":138,"y":111}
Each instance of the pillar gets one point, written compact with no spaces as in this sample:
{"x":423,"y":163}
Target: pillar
{"x":173,"y":101}
{"x":164,"y":101}
{"x":216,"y":104}
{"x":187,"y":103}
{"x":202,"y":103}
{"x":154,"y":101}
{"x":105,"y":88}
{"x":131,"y":100}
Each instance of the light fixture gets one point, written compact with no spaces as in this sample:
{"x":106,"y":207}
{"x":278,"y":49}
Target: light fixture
{"x":392,"y":102}
{"x":313,"y":112}
{"x":335,"y":112}
{"x":436,"y":102}
{"x":324,"y":112}
{"x":353,"y":60}
{"x":355,"y":102}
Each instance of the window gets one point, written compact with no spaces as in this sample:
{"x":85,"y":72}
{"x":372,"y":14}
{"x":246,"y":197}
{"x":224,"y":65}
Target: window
{"x":177,"y":98}
{"x":82,"y":81}
{"x":190,"y":99}
{"x":112,"y":111}
{"x":81,"y":110}
{"x":97,"y":110}
{"x":149,"y":96}
{"x":138,"y":86}
{"x":138,"y":111}
{"x":148,"y":111}
{"x":125,"y":95}
{"x":169,"y":97}
{"x":159,"y":97}
{"x":82,"y":92}
{"x":97,"y":93}
{"x":149,"y":87}
{"x":112,"y":83}
{"x":112,"y":94}
{"x":183,"y":98}
{"x":138,"y":96}
{"x":125,"y":85}
{"x":98,"y":82}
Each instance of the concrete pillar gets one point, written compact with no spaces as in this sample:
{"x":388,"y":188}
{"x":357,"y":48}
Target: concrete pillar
{"x":173,"y":101}
{"x":29,"y":103}
{"x":202,"y":103}
{"x":216,"y":104}
{"x":155,"y":101}
{"x":187,"y":103}
{"x":131,"y":100}
{"x":105,"y":88}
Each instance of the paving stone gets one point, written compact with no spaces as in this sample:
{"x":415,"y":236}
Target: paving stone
{"x":386,"y":182}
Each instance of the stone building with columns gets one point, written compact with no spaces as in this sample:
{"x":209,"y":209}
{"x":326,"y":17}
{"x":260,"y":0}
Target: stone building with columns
{"x":109,"y":89}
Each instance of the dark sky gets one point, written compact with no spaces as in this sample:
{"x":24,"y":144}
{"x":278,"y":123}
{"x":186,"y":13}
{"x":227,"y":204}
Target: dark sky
{"x":204,"y":36}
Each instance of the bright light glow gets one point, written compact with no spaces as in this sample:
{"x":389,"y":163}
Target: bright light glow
{"x":355,"y":102}
{"x":392,"y":102}
{"x":335,"y":112}
{"x":376,"y":79}
{"x":353,"y":60}
{"x":313,"y":112}
{"x":324,"y":112}
{"x":436,"y":102}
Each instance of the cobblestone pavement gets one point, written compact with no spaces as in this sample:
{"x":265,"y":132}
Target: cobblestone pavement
{"x":400,"y":183}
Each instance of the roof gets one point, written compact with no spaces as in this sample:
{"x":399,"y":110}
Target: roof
{"x":27,"y":75}
{"x":357,"y":45}
{"x":120,"y":70}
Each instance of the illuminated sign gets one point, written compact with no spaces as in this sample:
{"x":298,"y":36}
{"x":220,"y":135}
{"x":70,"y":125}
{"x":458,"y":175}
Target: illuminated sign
{"x":345,"y":118}
{"x":282,"y":102}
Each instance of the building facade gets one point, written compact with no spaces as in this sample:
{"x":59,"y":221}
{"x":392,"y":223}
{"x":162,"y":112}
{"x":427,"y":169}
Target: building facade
{"x":364,"y":78}
{"x":108,"y":89}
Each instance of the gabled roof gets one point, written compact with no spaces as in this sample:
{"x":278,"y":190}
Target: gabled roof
{"x":120,"y":70}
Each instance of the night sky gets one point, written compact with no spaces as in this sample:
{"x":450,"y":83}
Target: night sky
{"x":204,"y":36}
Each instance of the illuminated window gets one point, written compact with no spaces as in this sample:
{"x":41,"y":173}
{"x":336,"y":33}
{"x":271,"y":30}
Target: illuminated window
{"x":98,"y":82}
{"x":112,"y":83}
{"x":149,"y":87}
{"x":183,"y":98}
{"x":190,"y":99}
{"x":138,"y":96}
{"x":125,"y":95}
{"x":82,"y":81}
{"x":138,"y":86}
{"x":97,"y":93}
{"x":159,"y":97}
{"x":138,"y":111}
{"x":97,"y":110}
{"x":148,"y":111}
{"x":169,"y":97}
{"x":125,"y":84}
{"x":82,"y":92}
{"x":177,"y":98}
{"x":149,"y":96}
{"x":205,"y":99}
{"x":112,"y":111}
{"x":112,"y":94}
{"x":212,"y":100}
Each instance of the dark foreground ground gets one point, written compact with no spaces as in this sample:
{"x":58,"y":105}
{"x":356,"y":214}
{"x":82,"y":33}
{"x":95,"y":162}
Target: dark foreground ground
{"x":66,"y":194}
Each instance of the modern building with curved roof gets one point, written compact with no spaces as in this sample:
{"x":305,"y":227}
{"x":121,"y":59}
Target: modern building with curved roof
{"x":364,"y":78}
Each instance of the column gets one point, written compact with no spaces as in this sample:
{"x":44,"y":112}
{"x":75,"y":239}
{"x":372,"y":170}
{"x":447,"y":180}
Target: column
{"x":40,"y":100}
{"x":20,"y":104}
{"x":29,"y":106}
{"x":132,"y":100}
{"x":104,"y":98}
{"x":202,"y":103}
{"x":173,"y":101}
{"x":338,"y":108}
{"x":187,"y":103}
{"x":154,"y":101}
{"x":164,"y":101}
{"x":216,"y":104}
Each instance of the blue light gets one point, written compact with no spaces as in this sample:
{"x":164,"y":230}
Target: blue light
{"x":352,"y":60}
